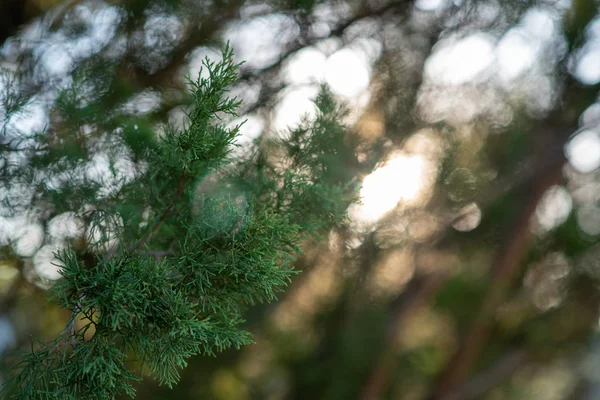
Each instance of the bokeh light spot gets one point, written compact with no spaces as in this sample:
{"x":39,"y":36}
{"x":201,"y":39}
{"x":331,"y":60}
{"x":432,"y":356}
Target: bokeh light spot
{"x":468,"y":218}
{"x":460,"y":62}
{"x":45,"y":263}
{"x":346,"y":73}
{"x":295,"y":105}
{"x":553,"y":209}
{"x":583,"y":151}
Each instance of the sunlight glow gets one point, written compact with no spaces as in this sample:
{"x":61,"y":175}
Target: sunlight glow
{"x":400,"y":179}
{"x":347,"y":74}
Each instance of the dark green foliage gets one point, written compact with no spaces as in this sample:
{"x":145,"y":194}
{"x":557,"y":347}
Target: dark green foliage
{"x":313,"y":172}
{"x":176,"y":252}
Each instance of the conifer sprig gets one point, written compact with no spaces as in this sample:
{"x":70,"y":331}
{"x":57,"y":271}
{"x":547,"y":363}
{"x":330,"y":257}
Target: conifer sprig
{"x":223,"y":248}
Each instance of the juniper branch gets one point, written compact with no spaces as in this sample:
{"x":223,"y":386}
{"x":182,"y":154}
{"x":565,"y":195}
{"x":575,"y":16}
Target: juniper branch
{"x":224,"y":256}
{"x":162,"y":218}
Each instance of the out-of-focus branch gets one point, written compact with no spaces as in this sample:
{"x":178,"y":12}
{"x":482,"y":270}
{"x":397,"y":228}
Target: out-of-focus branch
{"x":419,"y":292}
{"x":549,"y":138}
{"x":424,"y":288}
{"x":505,"y":268}
{"x":490,"y":378}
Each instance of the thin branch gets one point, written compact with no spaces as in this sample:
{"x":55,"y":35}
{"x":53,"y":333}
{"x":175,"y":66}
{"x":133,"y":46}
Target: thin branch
{"x":492,"y":377}
{"x":70,"y":328}
{"x":162,"y":218}
{"x":157,"y":254}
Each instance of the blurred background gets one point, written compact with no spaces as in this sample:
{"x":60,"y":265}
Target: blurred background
{"x":470,"y":268}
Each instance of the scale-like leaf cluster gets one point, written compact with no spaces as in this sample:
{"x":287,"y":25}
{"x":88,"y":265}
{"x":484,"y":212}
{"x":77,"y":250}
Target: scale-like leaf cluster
{"x":174,"y":255}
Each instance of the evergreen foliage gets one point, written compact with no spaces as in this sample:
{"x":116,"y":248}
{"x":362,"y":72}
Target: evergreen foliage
{"x":174,"y":253}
